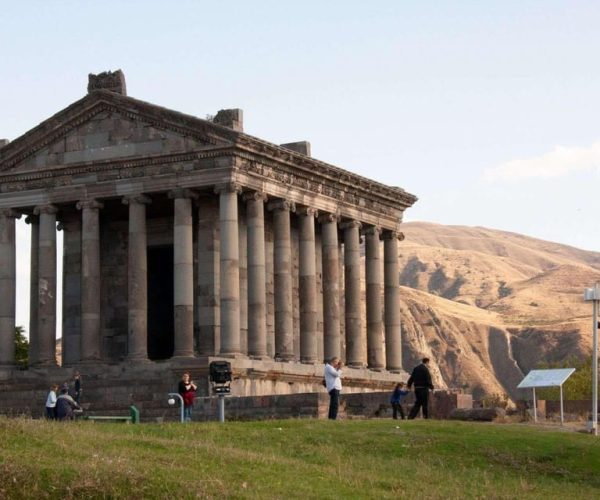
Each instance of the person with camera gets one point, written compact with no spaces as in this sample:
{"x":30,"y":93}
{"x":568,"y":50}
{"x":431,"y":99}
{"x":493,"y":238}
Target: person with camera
{"x":187,"y":390}
{"x":333,"y":383}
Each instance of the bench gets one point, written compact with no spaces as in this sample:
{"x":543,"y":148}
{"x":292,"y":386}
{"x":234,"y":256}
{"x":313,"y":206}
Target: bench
{"x":132,"y":418}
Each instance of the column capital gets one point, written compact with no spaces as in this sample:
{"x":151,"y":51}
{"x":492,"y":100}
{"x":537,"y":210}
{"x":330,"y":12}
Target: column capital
{"x":324,"y":218}
{"x":371,"y":230}
{"x":228,"y":187}
{"x":184,"y":193}
{"x":68,"y":225}
{"x":131,"y":199}
{"x":255,"y":196}
{"x":31,"y":219}
{"x":45,"y":209}
{"x":92,"y":203}
{"x":307,"y":211}
{"x":10,"y":213}
{"x":350,"y":224}
{"x":286,"y":205}
{"x":387,"y":234}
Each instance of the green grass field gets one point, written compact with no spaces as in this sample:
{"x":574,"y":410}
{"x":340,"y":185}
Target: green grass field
{"x":295,"y":459}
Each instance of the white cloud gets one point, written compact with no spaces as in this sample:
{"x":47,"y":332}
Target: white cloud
{"x":558,"y":162}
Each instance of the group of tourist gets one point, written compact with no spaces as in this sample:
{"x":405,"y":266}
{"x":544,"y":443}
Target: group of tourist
{"x":63,"y":404}
{"x":420,"y":378}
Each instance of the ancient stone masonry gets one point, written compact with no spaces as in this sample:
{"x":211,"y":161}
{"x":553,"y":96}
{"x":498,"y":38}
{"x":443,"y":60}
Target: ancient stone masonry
{"x":187,"y":239}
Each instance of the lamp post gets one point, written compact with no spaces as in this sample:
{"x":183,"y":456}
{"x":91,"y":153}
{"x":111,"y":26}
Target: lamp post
{"x":593,"y":295}
{"x":172,"y":396}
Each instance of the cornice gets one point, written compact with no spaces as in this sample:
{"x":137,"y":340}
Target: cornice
{"x":260,"y":150}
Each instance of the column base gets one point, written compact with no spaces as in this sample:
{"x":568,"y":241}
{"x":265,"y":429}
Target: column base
{"x":260,"y":357}
{"x":285,"y":359}
{"x":134,"y":359}
{"x":308,"y":361}
{"x":231,"y":355}
{"x":44,"y":364}
{"x":360,"y":366}
{"x":88,"y":361}
{"x":376,"y":368}
{"x":394,"y":370}
{"x":182,"y":357}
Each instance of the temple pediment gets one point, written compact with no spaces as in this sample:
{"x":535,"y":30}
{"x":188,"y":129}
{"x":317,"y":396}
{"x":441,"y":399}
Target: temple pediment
{"x":105,"y":126}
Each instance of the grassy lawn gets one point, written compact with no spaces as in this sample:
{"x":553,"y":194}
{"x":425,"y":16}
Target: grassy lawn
{"x":295,"y":459}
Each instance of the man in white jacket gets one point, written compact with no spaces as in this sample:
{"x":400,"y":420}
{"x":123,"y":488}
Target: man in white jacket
{"x":333,"y":383}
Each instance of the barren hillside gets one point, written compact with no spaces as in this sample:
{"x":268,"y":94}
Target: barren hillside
{"x":490,"y":305}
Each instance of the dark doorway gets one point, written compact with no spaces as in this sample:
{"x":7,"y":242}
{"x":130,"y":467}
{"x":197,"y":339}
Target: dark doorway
{"x":160,"y":302}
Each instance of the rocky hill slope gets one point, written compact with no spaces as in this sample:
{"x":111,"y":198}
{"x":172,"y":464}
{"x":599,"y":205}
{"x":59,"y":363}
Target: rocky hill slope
{"x":488,"y":306}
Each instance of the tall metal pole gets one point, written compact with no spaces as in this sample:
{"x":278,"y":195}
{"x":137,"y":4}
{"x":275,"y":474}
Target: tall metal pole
{"x":562,"y":418}
{"x":595,"y":364}
{"x":221,"y":405}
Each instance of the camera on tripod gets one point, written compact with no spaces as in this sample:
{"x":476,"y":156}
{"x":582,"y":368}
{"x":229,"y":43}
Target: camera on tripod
{"x":220,"y":376}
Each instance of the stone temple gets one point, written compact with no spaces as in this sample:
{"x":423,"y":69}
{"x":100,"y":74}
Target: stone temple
{"x":186,"y":241}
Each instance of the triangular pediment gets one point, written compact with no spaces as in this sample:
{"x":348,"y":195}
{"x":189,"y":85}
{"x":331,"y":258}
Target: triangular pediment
{"x":109,"y":127}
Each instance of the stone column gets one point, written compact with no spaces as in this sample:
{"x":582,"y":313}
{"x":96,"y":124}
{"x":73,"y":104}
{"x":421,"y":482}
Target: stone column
{"x":8,"y":283}
{"x":374,"y":282}
{"x":230,"y":271}
{"x":137,"y":279}
{"x":308,"y":286}
{"x":257,"y":294}
{"x":90,"y":279}
{"x":355,"y":343}
{"x":282,"y":268}
{"x":209,"y":282}
{"x":47,"y":285}
{"x":33,"y":220}
{"x":331,"y":286}
{"x":71,"y":343}
{"x":183,"y":272}
{"x":393,"y":339}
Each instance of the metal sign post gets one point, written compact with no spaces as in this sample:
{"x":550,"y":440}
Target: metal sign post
{"x":593,"y":295}
{"x":554,"y":377}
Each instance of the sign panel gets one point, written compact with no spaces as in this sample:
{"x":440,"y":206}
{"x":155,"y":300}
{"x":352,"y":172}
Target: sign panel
{"x":554,"y":377}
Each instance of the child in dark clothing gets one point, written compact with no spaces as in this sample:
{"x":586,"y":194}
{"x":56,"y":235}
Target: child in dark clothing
{"x":396,"y":400}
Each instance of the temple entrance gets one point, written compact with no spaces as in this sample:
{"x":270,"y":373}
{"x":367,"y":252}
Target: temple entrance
{"x":160,"y":302}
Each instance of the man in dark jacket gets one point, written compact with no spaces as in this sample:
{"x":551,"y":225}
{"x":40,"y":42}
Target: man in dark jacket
{"x":65,"y":405}
{"x":421,"y":378}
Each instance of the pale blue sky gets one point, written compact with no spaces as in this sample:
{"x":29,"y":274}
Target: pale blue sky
{"x":487,"y":111}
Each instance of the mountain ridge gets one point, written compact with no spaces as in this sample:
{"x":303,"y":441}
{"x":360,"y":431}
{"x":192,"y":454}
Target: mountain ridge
{"x":488,"y":305}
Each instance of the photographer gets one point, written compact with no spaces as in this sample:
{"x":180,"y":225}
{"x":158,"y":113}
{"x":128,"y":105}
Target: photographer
{"x":187,"y":390}
{"x":333,"y":383}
